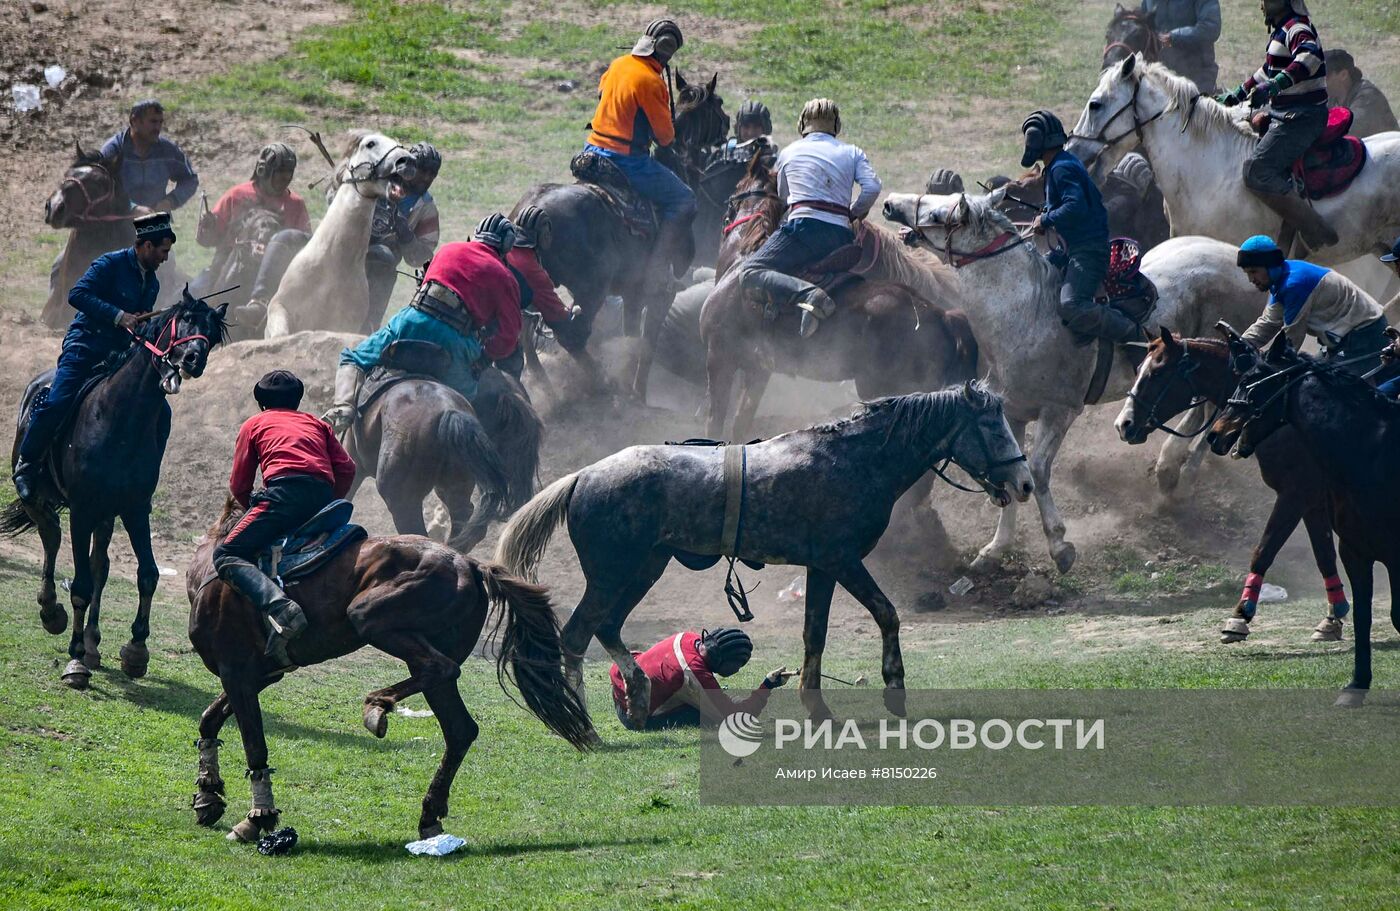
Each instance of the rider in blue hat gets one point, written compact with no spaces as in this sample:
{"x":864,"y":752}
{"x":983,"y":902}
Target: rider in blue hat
{"x":117,"y":289}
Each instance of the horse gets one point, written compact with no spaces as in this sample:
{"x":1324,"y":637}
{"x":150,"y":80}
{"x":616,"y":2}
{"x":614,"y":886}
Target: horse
{"x":422,"y":436}
{"x":325,"y":286}
{"x":416,"y":600}
{"x":883,"y":335}
{"x":819,"y":498}
{"x":105,"y":466}
{"x":1129,"y":32}
{"x":1353,"y":434}
{"x":1179,"y":374}
{"x":1011,"y":294}
{"x":1198,"y":149}
{"x":91,"y":202}
{"x":604,"y":253}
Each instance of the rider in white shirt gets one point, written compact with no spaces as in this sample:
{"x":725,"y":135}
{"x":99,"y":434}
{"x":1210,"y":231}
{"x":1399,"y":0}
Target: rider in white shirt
{"x":815,"y":176}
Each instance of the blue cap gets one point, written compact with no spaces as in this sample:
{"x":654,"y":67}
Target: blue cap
{"x":1394,"y":253}
{"x":1259,"y":251}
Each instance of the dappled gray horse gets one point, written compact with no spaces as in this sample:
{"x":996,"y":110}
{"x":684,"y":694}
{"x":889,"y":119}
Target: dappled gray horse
{"x":819,"y":498}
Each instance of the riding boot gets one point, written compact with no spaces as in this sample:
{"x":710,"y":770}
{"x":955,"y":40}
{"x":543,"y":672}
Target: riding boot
{"x":26,"y":480}
{"x":285,"y":619}
{"x":1297,"y":211}
{"x":341,"y":415}
{"x":771,"y":287}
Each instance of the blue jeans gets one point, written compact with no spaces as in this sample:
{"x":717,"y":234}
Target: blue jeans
{"x":655,"y":181}
{"x":800,"y":243}
{"x":80,"y":359}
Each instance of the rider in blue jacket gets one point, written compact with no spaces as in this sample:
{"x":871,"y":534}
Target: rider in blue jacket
{"x":116,"y":289}
{"x":1074,"y":209}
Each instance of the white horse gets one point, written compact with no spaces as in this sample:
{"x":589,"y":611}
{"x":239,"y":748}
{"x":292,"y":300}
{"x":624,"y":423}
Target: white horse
{"x":1198,"y":150}
{"x":1011,"y":294}
{"x":325,"y":285}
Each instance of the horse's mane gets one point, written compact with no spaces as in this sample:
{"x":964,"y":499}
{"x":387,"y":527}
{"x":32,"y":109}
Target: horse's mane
{"x":916,"y":267}
{"x":985,"y":218}
{"x":907,"y":418}
{"x":227,"y":519}
{"x":1208,"y":114}
{"x":1350,"y":388}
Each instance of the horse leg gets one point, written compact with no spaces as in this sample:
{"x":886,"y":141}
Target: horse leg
{"x":533,"y":368}
{"x":990,"y":555}
{"x":459,"y":731}
{"x":51,"y":613}
{"x":1283,"y":518}
{"x":241,"y":686}
{"x":381,"y":702}
{"x":820,"y":587}
{"x":655,"y":316}
{"x":719,"y":369}
{"x":428,"y":667}
{"x":135,"y":657}
{"x":101,"y":566}
{"x":464,"y":534}
{"x":857,"y":580}
{"x":609,"y":635}
{"x":1050,"y":432}
{"x":78,"y":670}
{"x":588,"y":615}
{"x":1177,"y":452}
{"x":1359,"y":572}
{"x":751,"y":393}
{"x":209,"y":803}
{"x":1319,"y":526}
{"x":404,"y":492}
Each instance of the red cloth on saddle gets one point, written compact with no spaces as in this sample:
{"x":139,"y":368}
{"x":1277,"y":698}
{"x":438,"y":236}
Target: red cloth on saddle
{"x":282,"y":441}
{"x":1334,"y":160}
{"x":1124,"y":264}
{"x":487,"y":288}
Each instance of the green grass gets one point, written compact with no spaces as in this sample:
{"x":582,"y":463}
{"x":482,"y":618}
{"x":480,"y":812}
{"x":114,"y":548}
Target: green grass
{"x":94,"y":791}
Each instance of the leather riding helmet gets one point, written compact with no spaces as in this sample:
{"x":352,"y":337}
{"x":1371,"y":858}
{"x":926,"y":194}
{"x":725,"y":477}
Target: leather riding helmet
{"x":727,"y":649}
{"x":279,"y":389}
{"x":533,"y":229}
{"x":426,"y":157}
{"x":1043,"y":131}
{"x":944,"y":182}
{"x":274,"y":157}
{"x":662,"y":38}
{"x":755,"y":112}
{"x":820,"y":115}
{"x":497,"y":232}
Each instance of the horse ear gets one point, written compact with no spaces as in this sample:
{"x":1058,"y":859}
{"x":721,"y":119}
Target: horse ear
{"x":1280,"y":349}
{"x":680,"y":81}
{"x":222,"y":310}
{"x":1167,"y":338}
{"x":714,"y":81}
{"x":1129,"y":63}
{"x":997,"y":197}
{"x":963,"y":209}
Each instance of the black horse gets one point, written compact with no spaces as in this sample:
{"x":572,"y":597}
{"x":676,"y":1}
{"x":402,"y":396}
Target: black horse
{"x":1353,"y":433}
{"x":819,"y":498}
{"x":600,"y":253}
{"x":105,"y":466}
{"x":1130,"y":31}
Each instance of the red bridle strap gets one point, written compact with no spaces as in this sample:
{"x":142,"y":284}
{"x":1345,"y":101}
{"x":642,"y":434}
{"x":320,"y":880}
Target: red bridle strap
{"x":739,"y":222}
{"x":157,"y":351}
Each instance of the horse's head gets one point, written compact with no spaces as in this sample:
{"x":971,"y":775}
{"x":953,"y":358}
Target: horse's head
{"x":91,"y":188}
{"x":1259,"y":404}
{"x":1129,"y":96}
{"x":701,"y":122}
{"x":179,"y":339}
{"x":983,"y":446}
{"x":959,"y":223}
{"x":1169,"y":382}
{"x":1130,"y":31}
{"x":374,"y":161}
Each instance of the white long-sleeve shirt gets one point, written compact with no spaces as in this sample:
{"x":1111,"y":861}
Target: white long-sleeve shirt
{"x":822,"y":168}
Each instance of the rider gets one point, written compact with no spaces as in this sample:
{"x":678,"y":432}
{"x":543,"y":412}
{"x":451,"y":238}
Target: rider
{"x":944,"y":182}
{"x":468,"y":293}
{"x":753,"y":134}
{"x":534,"y":233}
{"x":150,"y":162}
{"x":303,"y":468}
{"x":815,"y":175}
{"x":1074,"y":208}
{"x":1348,"y":88}
{"x":1293,"y":82}
{"x":682,"y":670}
{"x":268,"y":190}
{"x":634,"y":110}
{"x":117,"y":289}
{"x":405,"y":228}
{"x":1307,"y":299}
{"x":1188,"y":32}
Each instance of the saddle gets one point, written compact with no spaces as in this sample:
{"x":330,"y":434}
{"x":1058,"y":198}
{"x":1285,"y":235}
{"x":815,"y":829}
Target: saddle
{"x":1332,"y":162}
{"x":313,"y":544}
{"x":39,"y":391}
{"x":606,"y":181}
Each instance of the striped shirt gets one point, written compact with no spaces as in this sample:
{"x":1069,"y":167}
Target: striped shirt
{"x":1295,"y":50}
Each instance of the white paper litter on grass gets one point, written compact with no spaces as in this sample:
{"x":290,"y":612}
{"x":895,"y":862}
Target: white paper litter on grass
{"x":437,"y":846}
{"x":54,"y":75}
{"x":1272,"y":594}
{"x":166,"y":570}
{"x":413,"y":713}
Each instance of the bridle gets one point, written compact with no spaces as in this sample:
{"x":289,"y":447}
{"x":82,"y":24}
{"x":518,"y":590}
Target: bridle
{"x":1152,"y":49}
{"x":1242,"y":399}
{"x":89,"y":202}
{"x":1185,"y":371}
{"x":1002,"y":243}
{"x":354,"y":179}
{"x":1102,"y":138}
{"x":981,"y":475}
{"x":162,"y":354}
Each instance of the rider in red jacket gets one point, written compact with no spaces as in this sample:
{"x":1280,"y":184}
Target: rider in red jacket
{"x":304,"y":468}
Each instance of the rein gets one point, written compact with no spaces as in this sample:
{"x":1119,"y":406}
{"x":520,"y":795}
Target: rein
{"x":981,"y":476}
{"x":1002,"y":243}
{"x":1102,"y":138}
{"x":1187,"y":369}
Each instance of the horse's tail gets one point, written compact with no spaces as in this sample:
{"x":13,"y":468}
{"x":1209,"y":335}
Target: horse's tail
{"x":462,"y":435}
{"x":518,"y":431}
{"x":964,"y":345}
{"x":526,"y":536}
{"x":531,"y":656}
{"x":15,"y":520}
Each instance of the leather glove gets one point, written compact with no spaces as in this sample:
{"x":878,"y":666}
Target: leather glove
{"x":402,"y":232}
{"x":777,"y":677}
{"x":339,"y":417}
{"x":1230,"y":99}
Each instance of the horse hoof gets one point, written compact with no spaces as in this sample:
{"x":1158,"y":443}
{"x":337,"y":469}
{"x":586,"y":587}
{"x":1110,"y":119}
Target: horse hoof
{"x":986,"y":562}
{"x":592,"y":739}
{"x":1064,"y":556}
{"x":1236,"y":629}
{"x":135,"y":660}
{"x":208,"y":808}
{"x":376,"y":720}
{"x":245,"y":831}
{"x":54,"y":618}
{"x":430,"y":831}
{"x":92,"y":658}
{"x":894,"y":702}
{"x":1329,"y":630}
{"x":76,"y":675}
{"x":1351,"y":698}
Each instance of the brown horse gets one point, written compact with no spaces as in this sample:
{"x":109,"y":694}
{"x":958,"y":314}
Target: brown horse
{"x":423,"y":603}
{"x":1180,"y":374}
{"x":89,"y":200}
{"x":884,"y":335}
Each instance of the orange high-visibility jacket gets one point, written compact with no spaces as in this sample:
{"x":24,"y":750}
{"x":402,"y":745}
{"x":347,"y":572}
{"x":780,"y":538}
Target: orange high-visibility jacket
{"x":634,"y":107}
